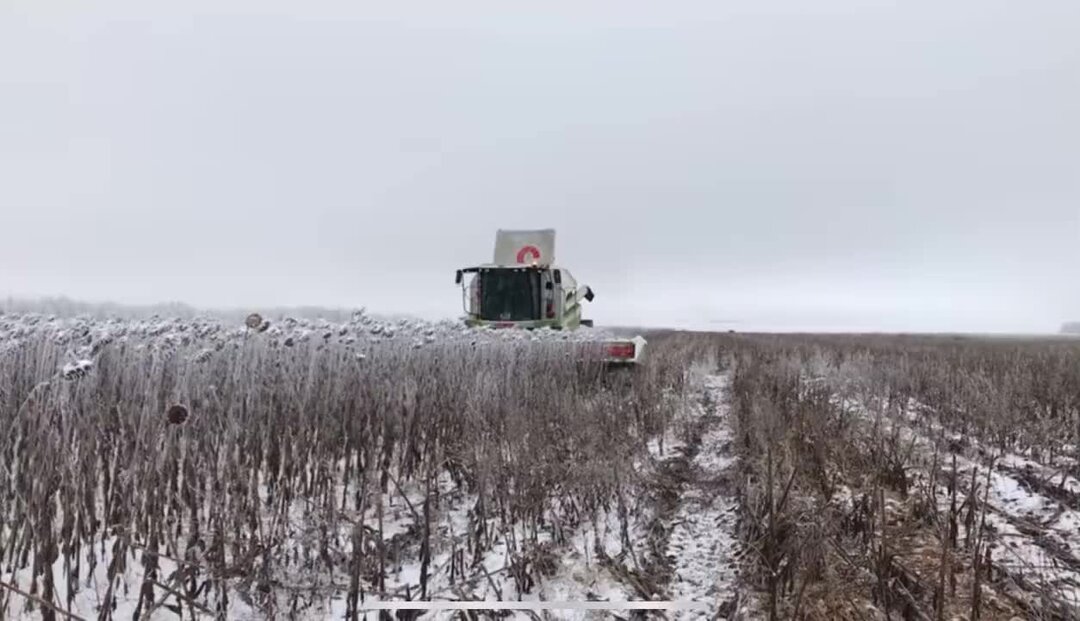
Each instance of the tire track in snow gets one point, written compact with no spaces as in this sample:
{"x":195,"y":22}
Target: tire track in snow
{"x":703,"y":545}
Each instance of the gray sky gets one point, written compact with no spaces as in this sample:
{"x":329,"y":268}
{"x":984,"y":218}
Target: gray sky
{"x":782,"y":165}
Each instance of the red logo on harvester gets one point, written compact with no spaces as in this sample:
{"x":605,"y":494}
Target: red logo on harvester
{"x":533,"y":250}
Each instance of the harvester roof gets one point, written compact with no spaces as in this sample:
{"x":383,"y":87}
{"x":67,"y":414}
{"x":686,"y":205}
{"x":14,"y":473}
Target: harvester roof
{"x":524,"y":247}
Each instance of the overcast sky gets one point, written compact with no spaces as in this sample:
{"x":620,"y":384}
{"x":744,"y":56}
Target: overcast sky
{"x":746,"y":164}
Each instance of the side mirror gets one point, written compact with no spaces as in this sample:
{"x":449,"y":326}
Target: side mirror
{"x":557,"y":275}
{"x":457,"y":278}
{"x":589,"y":294}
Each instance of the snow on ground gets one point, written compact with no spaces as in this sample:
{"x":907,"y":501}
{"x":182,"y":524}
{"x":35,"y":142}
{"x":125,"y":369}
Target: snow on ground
{"x":922,"y":417}
{"x":1036,"y":537}
{"x":703,"y":544}
{"x":701,"y":540}
{"x":577,"y":573}
{"x":1058,"y":477}
{"x":92,"y":585}
{"x":1013,"y":507}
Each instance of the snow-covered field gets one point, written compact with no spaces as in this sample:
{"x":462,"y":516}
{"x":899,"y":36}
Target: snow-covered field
{"x":319,"y":467}
{"x":703,"y":545}
{"x":1024,"y":514}
{"x":294,"y":468}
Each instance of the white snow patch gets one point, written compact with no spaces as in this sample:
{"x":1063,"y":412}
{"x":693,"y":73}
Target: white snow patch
{"x":703,"y":542}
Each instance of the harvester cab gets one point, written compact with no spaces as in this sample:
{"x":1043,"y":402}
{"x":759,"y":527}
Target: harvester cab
{"x":523,"y":288}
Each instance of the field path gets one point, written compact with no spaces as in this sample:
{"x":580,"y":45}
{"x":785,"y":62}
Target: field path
{"x":702,"y":544}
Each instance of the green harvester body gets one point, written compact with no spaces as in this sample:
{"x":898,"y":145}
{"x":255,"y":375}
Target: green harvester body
{"x":523,"y":288}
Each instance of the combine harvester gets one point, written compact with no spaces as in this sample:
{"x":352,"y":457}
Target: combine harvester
{"x":524,"y":289}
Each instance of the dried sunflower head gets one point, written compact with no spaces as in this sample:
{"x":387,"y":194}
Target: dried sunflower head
{"x":176,"y":414}
{"x":253,"y":321}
